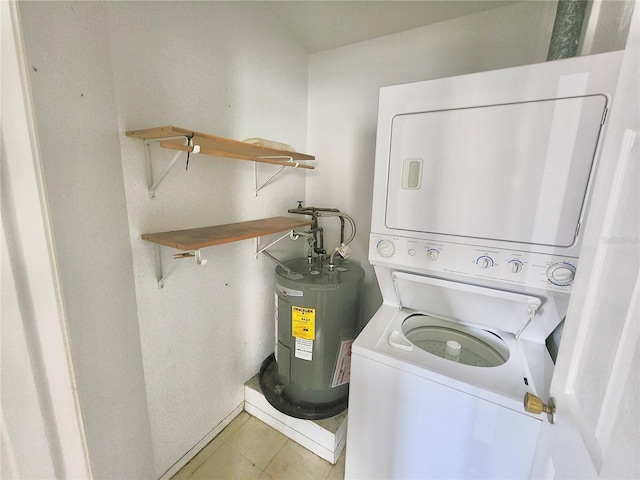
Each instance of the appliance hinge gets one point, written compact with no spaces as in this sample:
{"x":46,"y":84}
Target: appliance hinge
{"x":531,"y":311}
{"x":604,"y":116}
{"x":577,"y":230}
{"x":397,"y":289}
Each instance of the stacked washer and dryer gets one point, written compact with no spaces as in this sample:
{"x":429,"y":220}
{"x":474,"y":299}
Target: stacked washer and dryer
{"x":481,"y":188}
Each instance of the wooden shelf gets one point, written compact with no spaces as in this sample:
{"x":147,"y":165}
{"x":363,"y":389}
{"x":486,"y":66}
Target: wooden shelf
{"x":196,"y":238}
{"x":192,"y":240}
{"x":221,"y":147}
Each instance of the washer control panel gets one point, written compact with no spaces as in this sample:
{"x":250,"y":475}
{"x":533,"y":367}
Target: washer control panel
{"x":550,"y":272}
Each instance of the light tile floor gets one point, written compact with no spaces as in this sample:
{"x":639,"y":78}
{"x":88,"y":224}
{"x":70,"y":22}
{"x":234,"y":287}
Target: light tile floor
{"x":250,"y":449}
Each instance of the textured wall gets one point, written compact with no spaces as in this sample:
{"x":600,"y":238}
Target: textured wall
{"x":228,"y":69}
{"x":343,"y":97}
{"x":67,"y":49}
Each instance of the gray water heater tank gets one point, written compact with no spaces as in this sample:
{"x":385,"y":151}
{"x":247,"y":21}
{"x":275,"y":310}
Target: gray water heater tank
{"x":318,"y":312}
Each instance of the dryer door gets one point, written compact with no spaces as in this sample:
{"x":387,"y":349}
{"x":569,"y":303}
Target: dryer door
{"x":517,"y":172}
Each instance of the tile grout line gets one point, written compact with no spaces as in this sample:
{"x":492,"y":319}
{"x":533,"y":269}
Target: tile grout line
{"x":222,"y":442}
{"x":226,"y":441}
{"x":235,"y":449}
{"x":276,"y":454}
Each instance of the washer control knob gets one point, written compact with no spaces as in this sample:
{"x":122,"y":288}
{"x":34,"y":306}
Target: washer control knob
{"x":433,"y":254}
{"x":561,"y":274}
{"x":484,"y":262}
{"x":515,"y":266}
{"x":385,"y":248}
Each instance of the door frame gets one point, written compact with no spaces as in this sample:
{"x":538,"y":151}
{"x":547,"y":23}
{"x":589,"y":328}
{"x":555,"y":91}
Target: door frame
{"x":32,"y":264}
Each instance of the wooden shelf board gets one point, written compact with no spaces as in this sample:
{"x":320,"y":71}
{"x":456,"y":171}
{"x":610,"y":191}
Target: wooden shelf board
{"x":238,"y":156}
{"x":232,"y":148}
{"x":196,"y":238}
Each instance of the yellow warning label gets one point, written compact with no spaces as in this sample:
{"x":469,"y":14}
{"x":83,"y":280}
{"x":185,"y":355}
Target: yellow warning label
{"x":303,"y":322}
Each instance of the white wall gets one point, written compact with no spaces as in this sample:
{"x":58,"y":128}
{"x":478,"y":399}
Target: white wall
{"x":228,"y":69}
{"x":98,"y":69}
{"x":343,"y":97}
{"x":606,"y":26}
{"x":68,"y":57}
{"x":38,"y":438}
{"x":26,"y":447}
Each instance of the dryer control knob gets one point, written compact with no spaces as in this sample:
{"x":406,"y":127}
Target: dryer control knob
{"x":484,"y":262}
{"x":385,"y":248}
{"x":433,"y":254}
{"x":561,"y":274}
{"x":515,"y":266}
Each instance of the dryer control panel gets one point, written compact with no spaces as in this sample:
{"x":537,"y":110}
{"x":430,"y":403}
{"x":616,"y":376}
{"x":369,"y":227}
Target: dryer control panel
{"x":548,"y":272}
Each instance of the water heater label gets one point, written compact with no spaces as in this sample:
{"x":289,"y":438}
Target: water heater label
{"x":304,"y":349}
{"x":342,"y":373}
{"x":303,"y":322}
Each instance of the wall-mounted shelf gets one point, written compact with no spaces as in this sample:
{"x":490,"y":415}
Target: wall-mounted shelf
{"x":185,"y":140}
{"x":196,"y":238}
{"x":192,"y":240}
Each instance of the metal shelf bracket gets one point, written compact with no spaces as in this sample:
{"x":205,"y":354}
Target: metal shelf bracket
{"x":293,"y":164}
{"x":291,"y":234}
{"x":153,"y":185}
{"x":196,"y":254}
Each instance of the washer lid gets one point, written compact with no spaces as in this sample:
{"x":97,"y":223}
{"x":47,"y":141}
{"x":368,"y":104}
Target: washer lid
{"x":487,"y":307}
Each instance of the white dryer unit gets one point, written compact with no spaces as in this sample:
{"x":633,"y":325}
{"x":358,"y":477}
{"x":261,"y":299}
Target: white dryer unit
{"x":481,"y":186}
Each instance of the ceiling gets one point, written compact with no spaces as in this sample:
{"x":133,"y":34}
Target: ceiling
{"x":320,"y":25}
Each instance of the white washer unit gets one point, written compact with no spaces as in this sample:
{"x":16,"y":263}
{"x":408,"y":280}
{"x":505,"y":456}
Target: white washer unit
{"x":481,"y":186}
